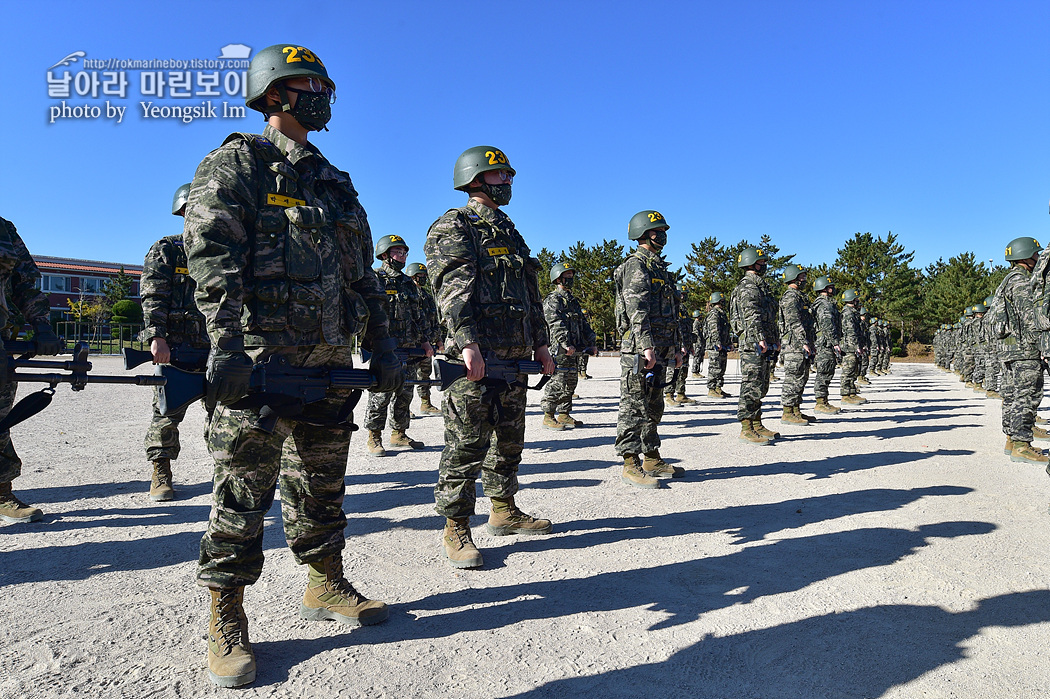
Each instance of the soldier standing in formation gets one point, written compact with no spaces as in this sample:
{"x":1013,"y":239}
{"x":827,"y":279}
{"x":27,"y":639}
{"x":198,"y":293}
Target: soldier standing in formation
{"x":647,"y":321}
{"x":719,"y":335}
{"x":172,"y":320}
{"x":799,"y":336}
{"x":869,"y":351}
{"x":884,"y":364}
{"x":435,"y":335}
{"x":409,"y":328}
{"x":485,"y":283}
{"x":279,"y":247}
{"x":829,"y":343}
{"x":584,"y":357}
{"x":852,"y":349}
{"x":753,"y":314}
{"x":992,"y":367}
{"x":570,"y":335}
{"x":19,"y":275}
{"x":674,"y":392}
{"x":699,"y":344}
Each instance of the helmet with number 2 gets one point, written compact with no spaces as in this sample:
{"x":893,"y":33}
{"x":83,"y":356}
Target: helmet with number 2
{"x":477,"y":160}
{"x":645,"y":221}
{"x":281,"y":62}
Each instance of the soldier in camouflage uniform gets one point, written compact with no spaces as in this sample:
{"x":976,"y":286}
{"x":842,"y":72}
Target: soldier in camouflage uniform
{"x":18,"y":276}
{"x":279,"y":247}
{"x":674,"y":392}
{"x":434,"y":333}
{"x":992,"y":367}
{"x":799,"y":336}
{"x":1019,"y":327}
{"x":172,"y":320}
{"x":968,"y":357}
{"x":647,"y":321}
{"x":753,"y":315}
{"x":699,"y":344}
{"x":829,"y":343}
{"x":408,"y":325}
{"x":977,"y":339}
{"x":851,"y":349}
{"x":869,"y":350}
{"x":718,"y":334}
{"x":583,"y":357}
{"x":874,"y":345}
{"x":884,"y":366}
{"x":485,"y":282}
{"x":570,"y":335}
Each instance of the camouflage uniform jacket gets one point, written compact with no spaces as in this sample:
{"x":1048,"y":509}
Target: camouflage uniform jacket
{"x":716,"y":330}
{"x":485,"y":282}
{"x":1015,"y":323}
{"x":875,"y":337}
{"x":685,"y":327}
{"x":698,"y":333}
{"x":280,"y":247}
{"x":19,"y":275}
{"x":404,"y":309}
{"x":566,"y":324}
{"x":829,"y":325}
{"x":754,"y":312}
{"x":851,"y":330}
{"x":796,"y":323}
{"x":646,"y":310}
{"x":167,"y":296}
{"x":434,"y":331}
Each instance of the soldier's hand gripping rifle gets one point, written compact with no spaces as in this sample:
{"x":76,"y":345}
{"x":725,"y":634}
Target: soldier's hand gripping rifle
{"x":500,"y":376}
{"x":650,"y":375}
{"x":183,"y":356}
{"x":77,"y":377}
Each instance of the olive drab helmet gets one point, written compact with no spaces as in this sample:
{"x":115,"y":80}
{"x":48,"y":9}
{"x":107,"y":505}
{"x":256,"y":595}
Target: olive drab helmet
{"x":968,"y":312}
{"x":849,"y":296}
{"x":792,"y":272}
{"x":980,"y":308}
{"x":863,"y":311}
{"x":416,"y":268}
{"x":988,"y":301}
{"x":750,"y":256}
{"x":645,"y":221}
{"x":182,"y":195}
{"x":560,"y":269}
{"x":716,"y":298}
{"x":277,"y":63}
{"x":821,"y":283}
{"x":1022,"y":249}
{"x":696,"y":314}
{"x":873,"y":321}
{"x":474,"y":161}
{"x":389,"y":241}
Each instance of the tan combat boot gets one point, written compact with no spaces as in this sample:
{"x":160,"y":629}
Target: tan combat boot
{"x":428,"y":408}
{"x":1008,"y":448}
{"x":683,"y":399}
{"x":823,"y":406}
{"x":1040,"y":420}
{"x":506,"y":518}
{"x":1040,"y":434}
{"x":863,"y":380}
{"x":849,"y":400}
{"x":653,"y":465}
{"x":790,"y":417}
{"x":748,"y":433}
{"x":807,"y":418}
{"x":969,"y":384}
{"x":757,"y":426}
{"x":568,"y":421}
{"x":995,"y":394}
{"x":634,"y":475}
{"x":375,"y":443}
{"x":160,"y":486}
{"x":329,"y":596}
{"x":400,"y":438}
{"x":773,"y":376}
{"x":551,"y":422}
{"x":669,"y":400}
{"x":861,"y":400}
{"x":1027,"y":454}
{"x":724,"y":394}
{"x":459,"y":546}
{"x":14,"y":510}
{"x":714,"y":393}
{"x":231,"y":662}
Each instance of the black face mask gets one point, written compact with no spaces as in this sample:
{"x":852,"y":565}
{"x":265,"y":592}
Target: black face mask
{"x":760,"y":270}
{"x":567,"y":282}
{"x":498,"y":193}
{"x":396,"y":264}
{"x":312,"y":110}
{"x":658,"y":239}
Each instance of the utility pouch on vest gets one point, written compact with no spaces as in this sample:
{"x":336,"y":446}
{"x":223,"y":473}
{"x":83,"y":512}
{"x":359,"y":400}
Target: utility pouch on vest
{"x":302,"y":258}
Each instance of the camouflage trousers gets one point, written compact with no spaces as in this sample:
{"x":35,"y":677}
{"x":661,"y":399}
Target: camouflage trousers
{"x":978,"y":368}
{"x":698,"y":360}
{"x":867,"y":360}
{"x":716,"y":370}
{"x":884,"y":362}
{"x":397,"y":402}
{"x":10,"y":464}
{"x":162,"y":435}
{"x":310,"y":462}
{"x":582,"y":363}
{"x":1022,"y":391}
{"x":850,"y":373}
{"x":796,"y":376}
{"x":641,"y":408}
{"x":557,"y":394}
{"x":474,"y":445}
{"x":423,"y":372}
{"x":993,"y":369}
{"x":754,"y":384}
{"x":676,"y":380}
{"x":823,"y":371}
{"x":967,"y":365}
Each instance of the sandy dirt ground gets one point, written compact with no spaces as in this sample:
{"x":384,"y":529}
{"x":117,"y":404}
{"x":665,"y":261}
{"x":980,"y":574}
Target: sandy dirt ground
{"x":889,"y":551}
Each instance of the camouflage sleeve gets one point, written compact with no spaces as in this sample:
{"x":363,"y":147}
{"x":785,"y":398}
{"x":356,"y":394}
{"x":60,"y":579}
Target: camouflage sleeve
{"x":711,"y":329}
{"x":220,"y":212}
{"x":791,"y":309}
{"x":430,"y":310}
{"x":635,"y":293}
{"x":155,"y":286}
{"x":452,"y":268}
{"x":752,"y":318}
{"x":555,"y":312}
{"x":540,"y":337}
{"x":850,"y":341}
{"x":32,"y":302}
{"x":371,"y":291}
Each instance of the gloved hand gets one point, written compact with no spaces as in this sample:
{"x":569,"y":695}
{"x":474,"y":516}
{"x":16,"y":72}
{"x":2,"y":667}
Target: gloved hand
{"x":47,"y":342}
{"x":386,"y":367}
{"x":227,"y":376}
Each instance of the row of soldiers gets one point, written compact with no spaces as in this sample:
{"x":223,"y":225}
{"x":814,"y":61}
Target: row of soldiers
{"x":968,"y":348}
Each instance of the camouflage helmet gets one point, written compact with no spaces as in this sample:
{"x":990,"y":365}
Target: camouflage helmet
{"x":873,"y":321}
{"x":416,"y":268}
{"x":645,"y":221}
{"x":750,"y":256}
{"x":474,"y":161}
{"x":821,"y":283}
{"x":560,"y":269}
{"x":182,"y":195}
{"x":389,"y":241}
{"x":715,"y":298}
{"x":696,"y":313}
{"x":792,"y":272}
{"x":988,"y":301}
{"x":281,"y":62}
{"x":980,"y":308}
{"x":968,"y":311}
{"x":1022,"y":249}
{"x":849,"y":296}
{"x":863,"y":311}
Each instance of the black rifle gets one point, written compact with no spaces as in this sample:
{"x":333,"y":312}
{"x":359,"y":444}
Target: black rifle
{"x":650,"y":376}
{"x":276,"y":389}
{"x":77,"y":378}
{"x":500,"y":376}
{"x":405,"y":354}
{"x":183,"y":356}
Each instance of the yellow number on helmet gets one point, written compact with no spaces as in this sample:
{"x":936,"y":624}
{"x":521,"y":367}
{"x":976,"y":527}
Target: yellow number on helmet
{"x":293,"y":54}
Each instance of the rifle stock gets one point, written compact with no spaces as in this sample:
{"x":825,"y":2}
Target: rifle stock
{"x":182,"y":356}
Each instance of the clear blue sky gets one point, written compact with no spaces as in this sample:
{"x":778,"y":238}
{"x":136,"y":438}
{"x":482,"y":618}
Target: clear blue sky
{"x":808,"y":121}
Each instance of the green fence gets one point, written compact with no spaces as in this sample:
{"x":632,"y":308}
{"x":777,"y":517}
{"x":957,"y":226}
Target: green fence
{"x":102,"y":338}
